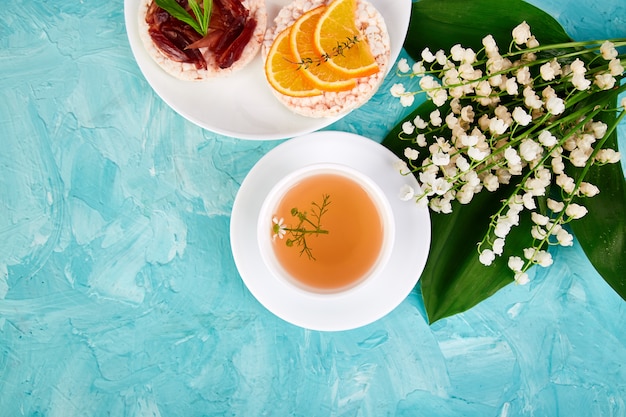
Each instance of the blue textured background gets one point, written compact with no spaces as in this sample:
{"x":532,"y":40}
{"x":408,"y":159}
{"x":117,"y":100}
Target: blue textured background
{"x":119,"y":295}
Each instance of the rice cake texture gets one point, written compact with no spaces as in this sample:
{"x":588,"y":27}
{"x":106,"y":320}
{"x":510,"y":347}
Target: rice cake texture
{"x":371,"y":24}
{"x":189,"y":72}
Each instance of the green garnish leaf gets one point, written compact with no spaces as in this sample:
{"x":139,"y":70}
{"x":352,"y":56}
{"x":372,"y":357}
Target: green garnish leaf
{"x":202,"y":16}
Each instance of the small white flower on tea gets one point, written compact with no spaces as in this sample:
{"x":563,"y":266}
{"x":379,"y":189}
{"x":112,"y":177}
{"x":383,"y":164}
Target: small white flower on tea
{"x":411,"y":154}
{"x":575,"y":211}
{"x":487,"y":257}
{"x":406,"y":192}
{"x":608,"y":51}
{"x":403,"y":65}
{"x":521,"y":33}
{"x":278,"y":228}
{"x":408,"y":128}
{"x":420,"y":140}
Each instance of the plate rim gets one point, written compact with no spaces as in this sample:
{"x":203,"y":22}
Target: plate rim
{"x":311,"y":311}
{"x":299,"y":125}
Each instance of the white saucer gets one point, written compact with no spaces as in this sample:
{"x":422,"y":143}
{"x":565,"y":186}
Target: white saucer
{"x":243,"y":105}
{"x":382,"y":292}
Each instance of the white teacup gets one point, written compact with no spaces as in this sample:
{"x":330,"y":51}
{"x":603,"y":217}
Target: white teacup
{"x":380,"y":246}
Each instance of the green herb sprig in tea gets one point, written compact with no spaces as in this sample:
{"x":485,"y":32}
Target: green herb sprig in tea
{"x":308,"y":224}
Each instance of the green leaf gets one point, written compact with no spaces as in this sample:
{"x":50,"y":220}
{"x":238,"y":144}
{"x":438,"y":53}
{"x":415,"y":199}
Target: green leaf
{"x":203,"y":15}
{"x":178,"y":12}
{"x":440,"y":24}
{"x":454,"y":280}
{"x":602,"y":232}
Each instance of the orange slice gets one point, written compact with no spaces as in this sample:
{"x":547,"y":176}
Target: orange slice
{"x":314,"y":67}
{"x":335,"y":29}
{"x":281,"y":70}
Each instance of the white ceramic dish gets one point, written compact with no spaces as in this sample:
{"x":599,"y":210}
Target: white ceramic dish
{"x":242,"y":105}
{"x":364,"y":304}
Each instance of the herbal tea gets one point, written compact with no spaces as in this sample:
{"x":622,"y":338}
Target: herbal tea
{"x":331,"y":233}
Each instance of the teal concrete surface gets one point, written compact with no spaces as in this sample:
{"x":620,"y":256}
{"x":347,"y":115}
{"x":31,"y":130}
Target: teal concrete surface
{"x":119,"y":295}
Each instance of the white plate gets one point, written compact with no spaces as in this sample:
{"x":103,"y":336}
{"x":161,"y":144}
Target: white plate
{"x":242,"y":105}
{"x":366,"y":303}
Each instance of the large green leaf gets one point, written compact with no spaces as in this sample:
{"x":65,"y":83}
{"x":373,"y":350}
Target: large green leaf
{"x":454,"y":280}
{"x":602,"y":232}
{"x":440,"y":24}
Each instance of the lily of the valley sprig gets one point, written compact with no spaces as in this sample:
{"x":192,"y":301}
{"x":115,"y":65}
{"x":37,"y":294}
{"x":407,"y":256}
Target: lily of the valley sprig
{"x":517,"y":118}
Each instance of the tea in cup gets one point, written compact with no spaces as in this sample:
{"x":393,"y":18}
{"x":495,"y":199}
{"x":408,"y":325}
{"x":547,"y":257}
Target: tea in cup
{"x":325,"y":228}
